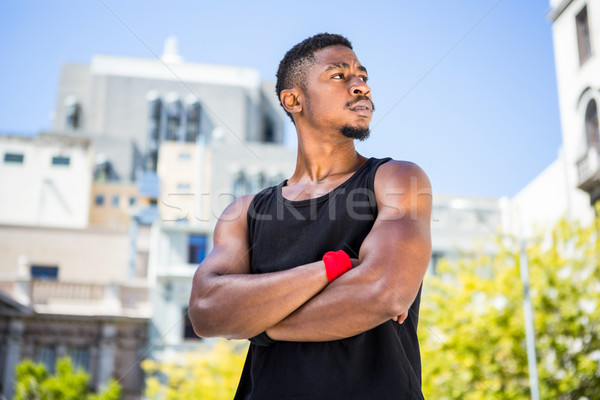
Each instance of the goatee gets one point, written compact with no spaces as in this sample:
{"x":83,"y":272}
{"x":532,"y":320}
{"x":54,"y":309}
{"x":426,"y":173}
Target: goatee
{"x":356,"y":132}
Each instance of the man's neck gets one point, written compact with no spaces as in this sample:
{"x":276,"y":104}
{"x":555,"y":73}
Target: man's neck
{"x":320,"y":159}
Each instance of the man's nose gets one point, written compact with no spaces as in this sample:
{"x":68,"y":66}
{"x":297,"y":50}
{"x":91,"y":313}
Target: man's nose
{"x":359,"y":87}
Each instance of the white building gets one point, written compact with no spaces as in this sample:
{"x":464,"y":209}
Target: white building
{"x":45,"y":181}
{"x":571,"y":183}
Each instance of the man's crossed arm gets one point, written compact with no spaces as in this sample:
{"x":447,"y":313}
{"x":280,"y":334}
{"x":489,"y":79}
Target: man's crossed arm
{"x":300,"y":304}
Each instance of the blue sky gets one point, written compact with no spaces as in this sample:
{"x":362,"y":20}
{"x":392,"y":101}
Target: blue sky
{"x":466,"y":89}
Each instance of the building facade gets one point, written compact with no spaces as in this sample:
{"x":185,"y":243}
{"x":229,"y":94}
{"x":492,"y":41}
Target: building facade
{"x":571,"y":184}
{"x":47,"y":180}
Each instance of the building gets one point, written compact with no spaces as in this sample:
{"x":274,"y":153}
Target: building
{"x":571,"y":184}
{"x":50,"y":179}
{"x":174,"y":143}
{"x":67,"y":291}
{"x":576,"y":32}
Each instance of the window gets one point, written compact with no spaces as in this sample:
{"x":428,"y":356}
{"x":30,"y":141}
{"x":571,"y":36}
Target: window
{"x":131,"y":201}
{"x":241,"y":186}
{"x":155,"y":108}
{"x":14,"y":158}
{"x":583,"y":35}
{"x":115,"y":201}
{"x":591,"y":125}
{"x":99,"y":200}
{"x":196,"y":248}
{"x":257,"y":182}
{"x":193,"y":122}
{"x":47,"y":356}
{"x":184,"y":188}
{"x":185,"y":156}
{"x":188,"y":329}
{"x":269,"y":130}
{"x":42,"y":272}
{"x":433,"y":262}
{"x":80,"y":356}
{"x":72,"y":113}
{"x":61,"y":160}
{"x":173,"y":119}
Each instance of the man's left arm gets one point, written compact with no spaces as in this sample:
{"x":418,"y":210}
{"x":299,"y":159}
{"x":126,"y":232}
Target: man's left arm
{"x":393,"y":260}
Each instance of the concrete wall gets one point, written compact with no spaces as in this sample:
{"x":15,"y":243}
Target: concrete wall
{"x":36,"y":192}
{"x":81,"y":255}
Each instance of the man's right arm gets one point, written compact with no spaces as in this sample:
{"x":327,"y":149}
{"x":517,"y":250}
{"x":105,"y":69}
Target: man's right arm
{"x":228,"y":301}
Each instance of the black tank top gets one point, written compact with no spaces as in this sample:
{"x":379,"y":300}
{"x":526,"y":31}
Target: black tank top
{"x":382,"y":363}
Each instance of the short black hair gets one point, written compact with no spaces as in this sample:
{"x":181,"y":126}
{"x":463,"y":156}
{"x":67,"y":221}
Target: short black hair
{"x":292,"y":68}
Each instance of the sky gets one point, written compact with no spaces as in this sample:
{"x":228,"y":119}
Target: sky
{"x":465,"y":89}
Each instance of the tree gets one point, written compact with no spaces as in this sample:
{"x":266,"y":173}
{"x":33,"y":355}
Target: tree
{"x":472,"y":325}
{"x":34,"y":382}
{"x":210,"y":373}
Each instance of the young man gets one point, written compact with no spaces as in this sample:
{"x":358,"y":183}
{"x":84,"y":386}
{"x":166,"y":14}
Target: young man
{"x":323,"y":272}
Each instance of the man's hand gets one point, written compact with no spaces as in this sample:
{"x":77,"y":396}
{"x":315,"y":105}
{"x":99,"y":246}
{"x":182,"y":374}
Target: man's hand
{"x":400,"y":318}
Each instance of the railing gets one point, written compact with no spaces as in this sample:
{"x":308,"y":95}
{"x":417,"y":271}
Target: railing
{"x":587,"y":168}
{"x":45,"y":291}
{"x":47,"y":296}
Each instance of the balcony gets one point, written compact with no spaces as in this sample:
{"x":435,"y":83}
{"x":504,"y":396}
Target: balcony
{"x":89,"y":299}
{"x":588,"y":174}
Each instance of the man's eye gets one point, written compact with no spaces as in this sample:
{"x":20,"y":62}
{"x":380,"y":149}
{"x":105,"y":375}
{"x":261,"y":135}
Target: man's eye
{"x":338,"y":76}
{"x":364,"y":79}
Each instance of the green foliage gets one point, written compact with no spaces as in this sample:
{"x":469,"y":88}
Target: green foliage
{"x":472,"y":325}
{"x":34,"y":382}
{"x":211,"y":373}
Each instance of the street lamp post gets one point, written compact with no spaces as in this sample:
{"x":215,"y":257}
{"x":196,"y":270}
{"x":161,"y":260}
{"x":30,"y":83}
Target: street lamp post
{"x":461,"y":205}
{"x":529,"y":331}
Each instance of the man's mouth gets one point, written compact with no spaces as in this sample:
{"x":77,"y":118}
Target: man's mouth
{"x":362,"y":107}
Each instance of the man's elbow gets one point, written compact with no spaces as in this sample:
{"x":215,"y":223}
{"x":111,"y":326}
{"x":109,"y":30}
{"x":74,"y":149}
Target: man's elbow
{"x":392,"y":300}
{"x":198,"y":320}
{"x":208,"y":322}
{"x":205,"y":325}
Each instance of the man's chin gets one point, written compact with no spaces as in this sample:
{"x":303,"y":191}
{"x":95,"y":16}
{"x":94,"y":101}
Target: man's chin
{"x":356,"y":132}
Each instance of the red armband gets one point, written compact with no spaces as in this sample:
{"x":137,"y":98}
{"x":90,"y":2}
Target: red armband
{"x":336,"y":264}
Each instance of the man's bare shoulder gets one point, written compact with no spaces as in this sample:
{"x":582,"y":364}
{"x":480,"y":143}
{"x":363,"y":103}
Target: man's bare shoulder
{"x":236,"y":211}
{"x":402,"y":187}
{"x":401,"y":173}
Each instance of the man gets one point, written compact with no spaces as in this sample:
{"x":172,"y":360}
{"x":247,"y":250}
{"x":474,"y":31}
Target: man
{"x":323,"y":271}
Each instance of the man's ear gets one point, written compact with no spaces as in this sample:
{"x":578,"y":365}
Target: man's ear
{"x":291,"y":100}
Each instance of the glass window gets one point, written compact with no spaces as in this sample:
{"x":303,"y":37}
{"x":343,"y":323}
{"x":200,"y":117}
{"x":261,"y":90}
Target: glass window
{"x":184,"y":188}
{"x":583,"y":35}
{"x":193,"y":122}
{"x":15,"y":158}
{"x":591,"y":125}
{"x":80,"y":356}
{"x":241,"y":186}
{"x":61,"y":160}
{"x":43,"y":272}
{"x":196,"y":248}
{"x":173,"y":120}
{"x":188,"y":329}
{"x":131,"y":201}
{"x":99,"y":200}
{"x":47,"y":356}
{"x":155,"y":110}
{"x":115,"y":201}
{"x":269,"y":130}
{"x":72,"y":113}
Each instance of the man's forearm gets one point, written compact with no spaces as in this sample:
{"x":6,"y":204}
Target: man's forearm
{"x":347,"y":307}
{"x":244,"y":305}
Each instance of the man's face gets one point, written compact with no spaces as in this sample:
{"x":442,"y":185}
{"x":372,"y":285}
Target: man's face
{"x":337,"y":95}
